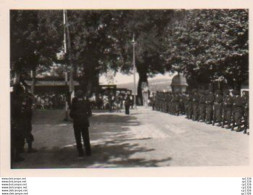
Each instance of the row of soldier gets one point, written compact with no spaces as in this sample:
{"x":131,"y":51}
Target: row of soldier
{"x":227,"y":109}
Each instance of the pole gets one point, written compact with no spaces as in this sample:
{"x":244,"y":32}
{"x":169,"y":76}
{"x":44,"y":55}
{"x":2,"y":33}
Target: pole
{"x":134,"y":69}
{"x":71,"y":81}
{"x":67,"y":51}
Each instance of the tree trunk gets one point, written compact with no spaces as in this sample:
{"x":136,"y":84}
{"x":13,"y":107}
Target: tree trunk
{"x":90,"y":80}
{"x":143,"y":78}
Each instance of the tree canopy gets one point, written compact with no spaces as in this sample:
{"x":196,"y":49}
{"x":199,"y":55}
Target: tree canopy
{"x":208,"y":44}
{"x":202,"y":44}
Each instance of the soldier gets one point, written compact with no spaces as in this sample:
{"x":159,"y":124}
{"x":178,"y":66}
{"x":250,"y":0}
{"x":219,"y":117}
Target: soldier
{"x":172,"y":106}
{"x":237,"y":110}
{"x":217,"y":108}
{"x":189,"y":106}
{"x":155,"y":101}
{"x":80,"y":112}
{"x":186,"y":103}
{"x":227,"y":108}
{"x":169,"y":100}
{"x":158,"y":101}
{"x":245,"y":97}
{"x":164,"y":102}
{"x":209,"y":106}
{"x":182,"y":97}
{"x":202,"y":108}
{"x":176,"y":103}
{"x":195,"y":104}
{"x":17,"y":134}
{"x":26,"y":111}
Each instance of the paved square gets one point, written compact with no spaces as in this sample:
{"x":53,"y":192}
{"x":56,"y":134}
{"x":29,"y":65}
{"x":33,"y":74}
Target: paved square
{"x":145,"y":138}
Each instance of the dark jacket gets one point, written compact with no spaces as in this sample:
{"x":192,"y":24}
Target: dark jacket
{"x":80,"y":111}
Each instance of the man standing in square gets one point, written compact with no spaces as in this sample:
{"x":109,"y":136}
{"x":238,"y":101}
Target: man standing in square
{"x":80,"y":112}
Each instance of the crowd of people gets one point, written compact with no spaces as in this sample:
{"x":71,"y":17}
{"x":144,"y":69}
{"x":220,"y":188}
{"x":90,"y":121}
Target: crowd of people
{"x":225,"y":108}
{"x":49,"y":101}
{"x":112,"y":102}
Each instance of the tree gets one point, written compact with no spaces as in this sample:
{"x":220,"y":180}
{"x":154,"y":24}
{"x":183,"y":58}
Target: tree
{"x":148,"y":26}
{"x":35,"y":39}
{"x":208,"y":44}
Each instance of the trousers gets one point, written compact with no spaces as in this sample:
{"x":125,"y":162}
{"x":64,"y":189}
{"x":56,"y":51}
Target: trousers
{"x":82,"y":132}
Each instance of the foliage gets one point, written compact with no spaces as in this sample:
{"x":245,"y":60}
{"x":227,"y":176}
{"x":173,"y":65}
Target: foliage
{"x":208,"y":44}
{"x":36,"y":37}
{"x":203,"y":44}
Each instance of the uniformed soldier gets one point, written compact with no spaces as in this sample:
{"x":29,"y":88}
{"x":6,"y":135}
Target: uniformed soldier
{"x":245,"y":97}
{"x":195,"y":104}
{"x":186,"y":103}
{"x":163,"y":101}
{"x":172,"y":106}
{"x":17,"y":133}
{"x":189,"y":105}
{"x":156,"y":100}
{"x":182,"y":99}
{"x":27,"y":120}
{"x":80,"y":112}
{"x":227,"y":109}
{"x":209,"y":106}
{"x":176,"y":103}
{"x":237,"y":110}
{"x":217,"y":108}
{"x":169,"y":103}
{"x":202,"y":106}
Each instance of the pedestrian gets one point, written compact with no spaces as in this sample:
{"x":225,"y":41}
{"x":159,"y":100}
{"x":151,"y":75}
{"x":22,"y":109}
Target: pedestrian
{"x":80,"y":113}
{"x":127,"y":105}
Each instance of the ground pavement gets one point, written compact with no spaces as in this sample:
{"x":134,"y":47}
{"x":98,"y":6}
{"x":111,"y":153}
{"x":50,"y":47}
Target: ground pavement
{"x":145,"y":138}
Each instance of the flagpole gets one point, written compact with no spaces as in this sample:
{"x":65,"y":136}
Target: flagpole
{"x":134,"y":71}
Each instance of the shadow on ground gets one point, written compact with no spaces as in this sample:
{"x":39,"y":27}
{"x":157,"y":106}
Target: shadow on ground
{"x":113,"y":145}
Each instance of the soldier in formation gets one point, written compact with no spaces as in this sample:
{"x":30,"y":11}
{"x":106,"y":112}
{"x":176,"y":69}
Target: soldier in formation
{"x":221,"y":108}
{"x":227,"y":109}
{"x":217,"y":109}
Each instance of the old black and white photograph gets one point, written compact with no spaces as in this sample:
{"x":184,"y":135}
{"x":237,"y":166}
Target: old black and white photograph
{"x":118,"y":88}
